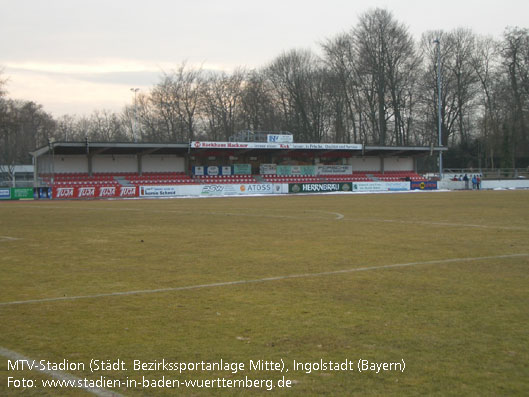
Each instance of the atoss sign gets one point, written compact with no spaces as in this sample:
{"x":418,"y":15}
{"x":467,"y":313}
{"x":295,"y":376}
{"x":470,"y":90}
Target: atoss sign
{"x":88,"y":192}
{"x":231,"y":190}
{"x":319,"y":187}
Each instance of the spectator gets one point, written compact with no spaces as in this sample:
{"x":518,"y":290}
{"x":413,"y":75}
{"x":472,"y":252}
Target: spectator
{"x":465,"y":178}
{"x":474,"y":182}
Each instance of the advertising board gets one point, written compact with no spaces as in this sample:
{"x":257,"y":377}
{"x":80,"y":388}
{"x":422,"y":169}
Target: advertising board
{"x":158,"y":191}
{"x":268,"y":169}
{"x":266,"y":145}
{"x":21,"y":193}
{"x":237,"y":189}
{"x":319,"y":187}
{"x":198,"y":170}
{"x":93,"y":192}
{"x":279,"y":138}
{"x":295,"y":170}
{"x":5,"y":193}
{"x":428,"y":185}
{"x":381,"y":186}
{"x":212,"y":170}
{"x":334,"y":169}
{"x":226,"y":170}
{"x":242,"y":169}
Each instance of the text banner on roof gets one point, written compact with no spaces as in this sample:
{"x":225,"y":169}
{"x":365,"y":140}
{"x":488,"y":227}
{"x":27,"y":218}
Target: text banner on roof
{"x":265,"y":145}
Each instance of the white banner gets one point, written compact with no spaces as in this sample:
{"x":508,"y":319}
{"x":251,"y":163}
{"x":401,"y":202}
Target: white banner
{"x":268,"y":169}
{"x":279,"y":138}
{"x":158,"y":191}
{"x":334,"y":169}
{"x":380,"y":186}
{"x":265,"y":145}
{"x":212,"y":170}
{"x":211,"y":190}
{"x":234,"y":190}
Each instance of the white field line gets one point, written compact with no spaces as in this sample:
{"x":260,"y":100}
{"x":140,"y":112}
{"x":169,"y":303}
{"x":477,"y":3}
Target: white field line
{"x":63,"y":376}
{"x":260,"y":280}
{"x":336,"y":216}
{"x":7,"y":238}
{"x":448,"y":224}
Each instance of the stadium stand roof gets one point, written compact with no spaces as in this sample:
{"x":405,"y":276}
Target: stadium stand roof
{"x":96,"y":148}
{"x":79,"y":148}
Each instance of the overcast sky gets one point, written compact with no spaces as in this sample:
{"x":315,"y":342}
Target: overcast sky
{"x":76,"y":56}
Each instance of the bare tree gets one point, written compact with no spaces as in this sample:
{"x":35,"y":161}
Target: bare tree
{"x":485,"y":62}
{"x":386,"y":63}
{"x":23,"y":127}
{"x":222,"y":103}
{"x":348,"y":106}
{"x":515,"y":53}
{"x":301,"y":89}
{"x":258,"y":109}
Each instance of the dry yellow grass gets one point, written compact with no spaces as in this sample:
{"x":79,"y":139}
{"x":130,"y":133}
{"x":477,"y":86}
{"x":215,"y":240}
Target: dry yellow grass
{"x":460,"y":326}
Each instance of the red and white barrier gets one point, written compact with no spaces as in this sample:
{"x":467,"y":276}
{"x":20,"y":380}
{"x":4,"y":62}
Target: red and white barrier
{"x":95,"y":192}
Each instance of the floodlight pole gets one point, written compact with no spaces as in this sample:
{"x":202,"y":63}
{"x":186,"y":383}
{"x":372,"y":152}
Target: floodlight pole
{"x":439,"y":127}
{"x":135,"y":124}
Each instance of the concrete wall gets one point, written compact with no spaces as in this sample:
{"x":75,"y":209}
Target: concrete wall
{"x":116,"y":163}
{"x":109,"y":163}
{"x":375,"y":164}
{"x":488,"y":184}
{"x":505,"y":184}
{"x":365,"y":163}
{"x":398,"y":163}
{"x":63,"y":164}
{"x":159,"y":163}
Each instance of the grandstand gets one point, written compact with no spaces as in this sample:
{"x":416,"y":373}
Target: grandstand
{"x":121,"y":169}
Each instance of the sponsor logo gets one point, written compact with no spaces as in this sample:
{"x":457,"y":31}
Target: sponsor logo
{"x":128,"y":191}
{"x":428,"y":185}
{"x":263,"y":188}
{"x":321,"y":187}
{"x":212,"y":188}
{"x":274,"y":145}
{"x":64,"y":192}
{"x":108,"y":191}
{"x":155,"y":191}
{"x":212,"y":170}
{"x":86,"y":192}
{"x":243,"y":188}
{"x":5,"y":193}
{"x":275,"y":138}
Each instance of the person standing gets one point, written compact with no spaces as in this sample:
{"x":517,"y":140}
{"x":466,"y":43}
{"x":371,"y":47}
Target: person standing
{"x":465,"y":178}
{"x":474,"y":182}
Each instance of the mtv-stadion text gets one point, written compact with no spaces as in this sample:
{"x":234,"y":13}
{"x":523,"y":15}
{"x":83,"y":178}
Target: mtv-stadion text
{"x":163,"y":373}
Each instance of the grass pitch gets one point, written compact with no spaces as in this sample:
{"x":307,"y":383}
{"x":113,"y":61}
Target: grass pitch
{"x":291,"y":278}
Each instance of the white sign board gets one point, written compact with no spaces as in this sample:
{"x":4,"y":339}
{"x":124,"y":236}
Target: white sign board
{"x":279,"y":138}
{"x":265,"y":145}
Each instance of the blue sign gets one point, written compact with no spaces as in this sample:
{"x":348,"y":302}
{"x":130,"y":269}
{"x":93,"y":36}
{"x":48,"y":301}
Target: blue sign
{"x":426,"y":185}
{"x":5,"y":194}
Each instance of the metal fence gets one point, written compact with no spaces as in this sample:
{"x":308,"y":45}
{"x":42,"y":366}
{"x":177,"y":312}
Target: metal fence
{"x":490,"y":173}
